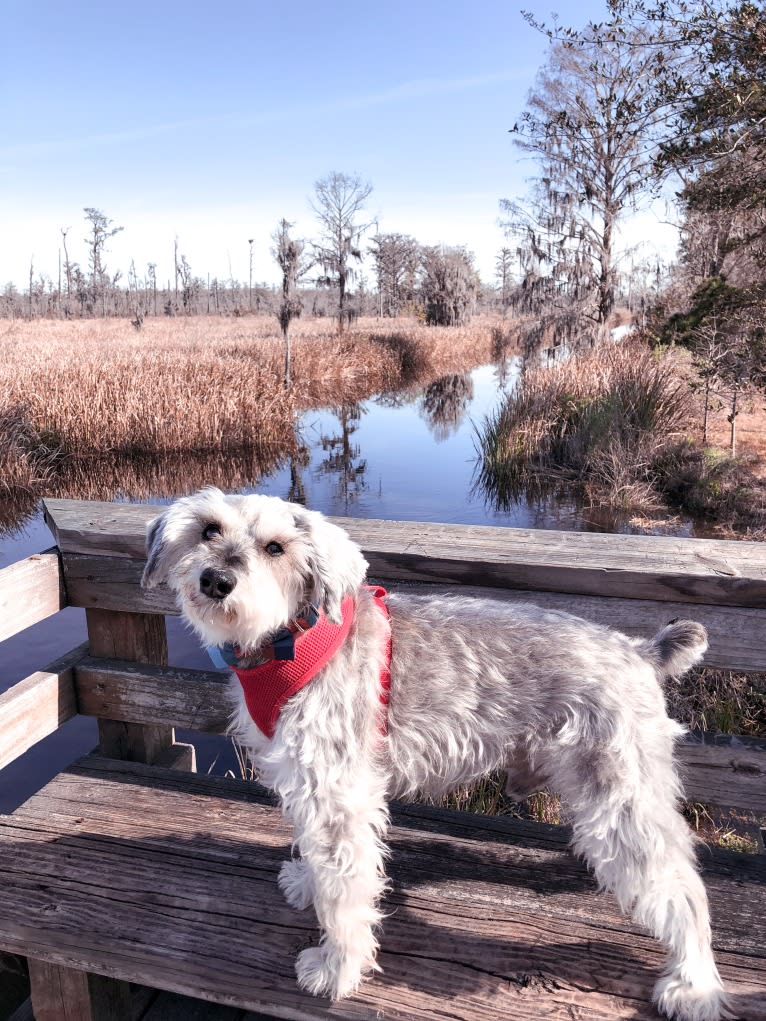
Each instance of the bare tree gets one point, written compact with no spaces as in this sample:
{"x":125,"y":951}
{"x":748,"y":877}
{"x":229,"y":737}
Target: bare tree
{"x":397,"y":260}
{"x":151,"y":273}
{"x":339,"y":200}
{"x":101,"y":230}
{"x":289,"y":254}
{"x":190,"y":285}
{"x":725,"y":328}
{"x":589,"y":125}
{"x":67,"y":264}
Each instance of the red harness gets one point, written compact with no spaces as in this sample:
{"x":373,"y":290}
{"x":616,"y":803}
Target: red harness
{"x":268,"y":686}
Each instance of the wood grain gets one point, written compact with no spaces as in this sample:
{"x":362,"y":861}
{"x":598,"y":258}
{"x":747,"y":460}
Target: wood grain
{"x":586,"y":563}
{"x":141,"y":638}
{"x":37,"y":706}
{"x":731,"y":775}
{"x":64,"y":994}
{"x":148,"y":694}
{"x":30,"y":591}
{"x":170,"y":880}
{"x":737,"y":635}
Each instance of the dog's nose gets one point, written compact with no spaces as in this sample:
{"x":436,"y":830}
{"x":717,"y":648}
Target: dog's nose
{"x":216,"y":584}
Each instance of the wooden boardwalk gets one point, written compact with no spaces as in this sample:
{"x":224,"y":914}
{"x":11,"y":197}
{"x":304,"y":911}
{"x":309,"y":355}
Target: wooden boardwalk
{"x":124,"y":876}
{"x":172,"y":876}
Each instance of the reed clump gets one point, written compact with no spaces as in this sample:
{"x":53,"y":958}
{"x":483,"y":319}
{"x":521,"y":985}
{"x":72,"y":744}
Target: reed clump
{"x":598,"y":422}
{"x":25,"y":461}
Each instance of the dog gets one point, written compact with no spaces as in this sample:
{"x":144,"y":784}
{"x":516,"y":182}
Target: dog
{"x":475,"y":685}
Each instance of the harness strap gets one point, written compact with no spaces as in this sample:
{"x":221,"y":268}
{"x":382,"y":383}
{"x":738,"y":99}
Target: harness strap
{"x":267,"y":686}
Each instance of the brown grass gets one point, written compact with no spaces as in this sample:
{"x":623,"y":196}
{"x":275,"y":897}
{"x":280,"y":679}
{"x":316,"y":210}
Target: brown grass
{"x":98,"y":390}
{"x":722,"y":701}
{"x":596,"y":422}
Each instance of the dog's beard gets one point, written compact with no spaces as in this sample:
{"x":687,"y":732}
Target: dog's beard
{"x":246,"y":618}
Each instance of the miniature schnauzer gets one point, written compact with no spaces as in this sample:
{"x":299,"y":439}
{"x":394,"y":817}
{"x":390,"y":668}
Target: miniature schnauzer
{"x":476,"y":685}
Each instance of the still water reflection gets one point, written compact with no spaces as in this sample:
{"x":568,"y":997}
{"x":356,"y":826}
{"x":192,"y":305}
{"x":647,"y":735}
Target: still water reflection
{"x":407,"y":455}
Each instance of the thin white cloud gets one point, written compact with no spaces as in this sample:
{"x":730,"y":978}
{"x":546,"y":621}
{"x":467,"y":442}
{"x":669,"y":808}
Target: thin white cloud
{"x":419,"y":88}
{"x":424,"y":87}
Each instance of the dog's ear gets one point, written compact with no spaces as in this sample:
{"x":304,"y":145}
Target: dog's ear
{"x":336,"y":563}
{"x":156,"y":570}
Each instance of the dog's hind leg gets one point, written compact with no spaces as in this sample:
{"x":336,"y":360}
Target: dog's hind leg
{"x":340,"y":842}
{"x":627,"y":826}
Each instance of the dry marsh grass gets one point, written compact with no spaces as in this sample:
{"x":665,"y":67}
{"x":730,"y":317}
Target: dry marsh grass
{"x":84,"y":390}
{"x":597,"y":421}
{"x":613,"y":427}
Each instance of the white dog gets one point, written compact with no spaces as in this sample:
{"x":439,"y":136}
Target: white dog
{"x":476,"y":685}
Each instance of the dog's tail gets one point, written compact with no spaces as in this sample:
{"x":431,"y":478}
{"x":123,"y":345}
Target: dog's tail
{"x":676,"y":648}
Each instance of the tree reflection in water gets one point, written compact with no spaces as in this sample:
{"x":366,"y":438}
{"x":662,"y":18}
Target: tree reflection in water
{"x":164,"y":476}
{"x":444,"y":404}
{"x":343,"y":457}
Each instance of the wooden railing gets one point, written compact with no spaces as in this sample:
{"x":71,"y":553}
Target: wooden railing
{"x":634,"y":583}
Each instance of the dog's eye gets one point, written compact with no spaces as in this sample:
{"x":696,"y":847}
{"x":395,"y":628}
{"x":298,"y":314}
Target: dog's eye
{"x":274,"y":549}
{"x":210,"y":530}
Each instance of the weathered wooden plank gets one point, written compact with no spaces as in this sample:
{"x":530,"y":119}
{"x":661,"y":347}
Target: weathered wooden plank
{"x":65,"y":994}
{"x":142,"y":998}
{"x":38,"y":705}
{"x":149,"y":874}
{"x":730,"y":775}
{"x":59,"y":994}
{"x":586,"y":563}
{"x":737,"y":634}
{"x":141,"y":638}
{"x":149,"y":694}
{"x":91,"y":526}
{"x":30,"y":591}
{"x":113,"y":583}
{"x":179,"y":756}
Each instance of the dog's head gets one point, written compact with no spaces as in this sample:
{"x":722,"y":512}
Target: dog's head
{"x":243,"y":566}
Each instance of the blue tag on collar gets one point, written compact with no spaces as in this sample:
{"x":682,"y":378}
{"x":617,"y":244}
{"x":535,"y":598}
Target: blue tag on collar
{"x":224,"y":657}
{"x":284,"y":644}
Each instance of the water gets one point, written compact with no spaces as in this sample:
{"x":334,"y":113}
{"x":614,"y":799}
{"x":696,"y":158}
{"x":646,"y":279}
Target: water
{"x":407,"y":456}
{"x":399,"y":456}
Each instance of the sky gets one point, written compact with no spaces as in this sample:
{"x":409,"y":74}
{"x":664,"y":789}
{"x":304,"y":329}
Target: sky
{"x":211,"y":122}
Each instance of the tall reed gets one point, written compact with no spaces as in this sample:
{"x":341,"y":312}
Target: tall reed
{"x":599,"y":421}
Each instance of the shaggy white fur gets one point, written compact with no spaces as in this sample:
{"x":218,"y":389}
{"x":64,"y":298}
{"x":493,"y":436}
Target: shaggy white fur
{"x":477,"y":685}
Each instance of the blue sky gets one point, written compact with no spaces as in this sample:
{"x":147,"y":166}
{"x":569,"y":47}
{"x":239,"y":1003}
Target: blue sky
{"x":211,"y":122}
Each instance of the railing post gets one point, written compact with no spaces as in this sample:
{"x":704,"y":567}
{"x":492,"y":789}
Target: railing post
{"x":65,"y":994}
{"x":142,"y":638}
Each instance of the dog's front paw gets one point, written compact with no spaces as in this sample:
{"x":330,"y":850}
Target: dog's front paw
{"x":295,"y":883}
{"x":321,"y":973}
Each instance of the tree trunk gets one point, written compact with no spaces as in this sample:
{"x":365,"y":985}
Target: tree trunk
{"x":286,"y":335}
{"x":733,"y":420}
{"x":605,"y":285}
{"x":341,"y":298}
{"x":707,"y":410}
